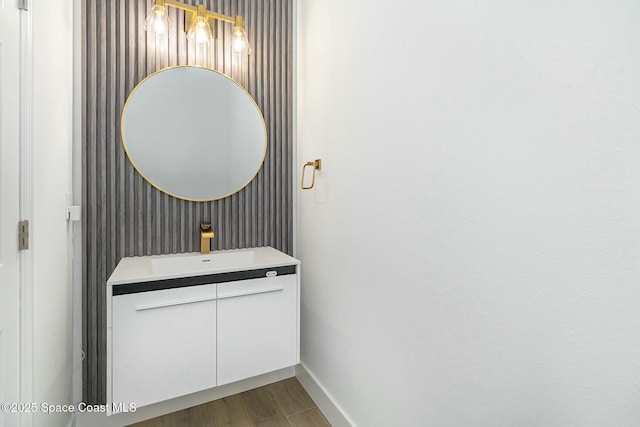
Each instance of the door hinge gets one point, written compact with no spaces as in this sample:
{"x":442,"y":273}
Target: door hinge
{"x":23,"y":4}
{"x":23,"y":235}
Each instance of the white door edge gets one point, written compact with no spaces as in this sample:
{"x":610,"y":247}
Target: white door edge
{"x":76,"y":177}
{"x":26,"y":213}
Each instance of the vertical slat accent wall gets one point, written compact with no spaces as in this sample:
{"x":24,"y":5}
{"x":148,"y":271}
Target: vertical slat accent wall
{"x":123,"y":214}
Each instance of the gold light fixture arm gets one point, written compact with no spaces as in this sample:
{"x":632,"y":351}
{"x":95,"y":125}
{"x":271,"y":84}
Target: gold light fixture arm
{"x":194,"y":10}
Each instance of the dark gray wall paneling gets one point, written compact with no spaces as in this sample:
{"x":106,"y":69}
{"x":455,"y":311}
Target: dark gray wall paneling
{"x":123,"y":214}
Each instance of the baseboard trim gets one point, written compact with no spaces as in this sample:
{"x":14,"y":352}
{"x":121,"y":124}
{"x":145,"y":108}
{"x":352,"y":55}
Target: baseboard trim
{"x":325,"y":402}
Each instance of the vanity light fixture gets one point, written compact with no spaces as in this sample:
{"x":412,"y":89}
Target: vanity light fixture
{"x":197,"y":24}
{"x":199,"y":29}
{"x":157,"y":20}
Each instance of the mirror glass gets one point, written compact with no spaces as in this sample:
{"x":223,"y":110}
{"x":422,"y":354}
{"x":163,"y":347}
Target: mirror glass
{"x":194,"y":133}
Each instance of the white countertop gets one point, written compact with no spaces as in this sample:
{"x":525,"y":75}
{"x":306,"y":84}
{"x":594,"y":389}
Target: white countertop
{"x":159,"y":267}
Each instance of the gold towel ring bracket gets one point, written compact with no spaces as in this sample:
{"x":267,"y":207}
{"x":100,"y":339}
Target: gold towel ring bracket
{"x":317,"y":165}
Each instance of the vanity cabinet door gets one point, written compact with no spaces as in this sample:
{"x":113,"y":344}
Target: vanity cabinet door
{"x":164,"y":344}
{"x":257,"y":327}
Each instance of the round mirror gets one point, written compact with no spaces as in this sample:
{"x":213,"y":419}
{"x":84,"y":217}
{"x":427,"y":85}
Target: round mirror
{"x":194,"y":133}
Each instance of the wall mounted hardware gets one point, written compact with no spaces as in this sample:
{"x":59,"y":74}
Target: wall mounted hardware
{"x":23,"y":235}
{"x":74,"y":212}
{"x":317,"y":165}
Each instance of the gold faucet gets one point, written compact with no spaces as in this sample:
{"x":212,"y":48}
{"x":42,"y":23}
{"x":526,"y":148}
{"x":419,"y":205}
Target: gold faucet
{"x":206,"y":234}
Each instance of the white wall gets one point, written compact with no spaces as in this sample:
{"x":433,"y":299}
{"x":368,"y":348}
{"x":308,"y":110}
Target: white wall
{"x":52,"y":138}
{"x":471,"y":255}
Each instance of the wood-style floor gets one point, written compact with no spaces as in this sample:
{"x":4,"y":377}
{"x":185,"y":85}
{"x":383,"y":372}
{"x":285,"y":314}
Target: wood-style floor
{"x":282,"y":404}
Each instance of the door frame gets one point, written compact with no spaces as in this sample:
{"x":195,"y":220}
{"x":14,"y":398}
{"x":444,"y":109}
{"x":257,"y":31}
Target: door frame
{"x":26,"y":213}
{"x":76,"y":253}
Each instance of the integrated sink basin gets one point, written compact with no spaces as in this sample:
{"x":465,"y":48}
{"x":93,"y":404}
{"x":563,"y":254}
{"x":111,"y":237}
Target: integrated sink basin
{"x":196,"y":263}
{"x":171,"y":266}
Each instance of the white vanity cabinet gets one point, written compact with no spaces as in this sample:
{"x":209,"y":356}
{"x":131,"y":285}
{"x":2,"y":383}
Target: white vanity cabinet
{"x":171,"y":334}
{"x":163,"y":344}
{"x":257,"y":327}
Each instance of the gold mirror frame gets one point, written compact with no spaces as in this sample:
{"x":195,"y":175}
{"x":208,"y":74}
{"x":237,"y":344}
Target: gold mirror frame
{"x":193,"y":133}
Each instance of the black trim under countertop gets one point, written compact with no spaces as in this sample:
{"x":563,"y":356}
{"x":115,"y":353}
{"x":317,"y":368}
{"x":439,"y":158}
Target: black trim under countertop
{"x":183,"y":282}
